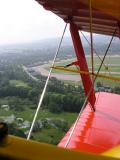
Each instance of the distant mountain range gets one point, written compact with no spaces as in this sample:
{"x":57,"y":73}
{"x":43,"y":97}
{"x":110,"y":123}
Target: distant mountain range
{"x":100,"y":44}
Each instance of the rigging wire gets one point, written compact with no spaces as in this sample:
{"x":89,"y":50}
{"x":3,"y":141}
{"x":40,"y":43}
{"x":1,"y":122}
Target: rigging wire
{"x":45,"y":87}
{"x":102,"y":82}
{"x":86,"y":100}
{"x":91,"y":38}
{"x":108,"y":64}
{"x":93,"y":48}
{"x":106,"y":52}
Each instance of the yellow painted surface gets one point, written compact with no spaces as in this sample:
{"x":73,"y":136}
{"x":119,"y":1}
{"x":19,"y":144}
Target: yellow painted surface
{"x":19,"y":148}
{"x":87,"y":73}
{"x":115,"y":152}
{"x":111,"y":7}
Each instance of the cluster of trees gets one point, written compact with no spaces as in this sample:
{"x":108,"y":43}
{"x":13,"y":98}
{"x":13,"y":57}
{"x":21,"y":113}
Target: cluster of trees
{"x":115,"y":89}
{"x":50,"y":123}
{"x":32,"y":54}
{"x":15,"y":131}
{"x":50,"y":130}
{"x":63,"y":102}
{"x":59,"y":97}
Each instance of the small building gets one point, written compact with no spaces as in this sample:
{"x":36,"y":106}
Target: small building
{"x":5,"y":107}
{"x":19,"y":121}
{"x":25,"y":124}
{"x":101,"y":89}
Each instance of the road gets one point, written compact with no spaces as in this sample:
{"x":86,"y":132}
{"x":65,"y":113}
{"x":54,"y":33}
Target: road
{"x":29,"y":74}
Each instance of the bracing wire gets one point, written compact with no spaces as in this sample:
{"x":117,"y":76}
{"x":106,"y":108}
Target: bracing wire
{"x":93,"y":49}
{"x":45,"y":87}
{"x":86,"y":100}
{"x":106,"y":52}
{"x":91,"y":38}
{"x":75,"y":124}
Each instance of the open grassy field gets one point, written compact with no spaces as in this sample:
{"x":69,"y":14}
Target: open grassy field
{"x":18,"y":83}
{"x":111,"y":67}
{"x":112,"y":63}
{"x":29,"y":113}
{"x":49,"y":135}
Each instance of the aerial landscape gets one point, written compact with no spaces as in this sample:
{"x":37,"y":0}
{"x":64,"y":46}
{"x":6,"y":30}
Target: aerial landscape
{"x":23,"y":71}
{"x":59,"y":80}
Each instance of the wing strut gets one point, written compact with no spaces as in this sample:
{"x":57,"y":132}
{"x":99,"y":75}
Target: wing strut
{"x":87,"y":82}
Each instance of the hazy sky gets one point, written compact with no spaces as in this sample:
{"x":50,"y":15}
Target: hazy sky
{"x":26,"y":20}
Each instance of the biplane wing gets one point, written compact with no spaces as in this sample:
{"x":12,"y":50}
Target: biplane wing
{"x":99,"y":131}
{"x":95,"y":132}
{"x":105,"y":14}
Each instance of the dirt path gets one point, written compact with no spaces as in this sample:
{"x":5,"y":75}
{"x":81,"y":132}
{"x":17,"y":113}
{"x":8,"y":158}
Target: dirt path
{"x":29,"y":74}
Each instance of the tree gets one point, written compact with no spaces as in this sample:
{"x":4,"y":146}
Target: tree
{"x":116,"y":90}
{"x":15,"y":131}
{"x":99,"y":84}
{"x":53,"y":107}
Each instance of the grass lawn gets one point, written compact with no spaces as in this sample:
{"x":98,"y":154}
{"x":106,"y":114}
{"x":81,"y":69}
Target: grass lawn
{"x":28,"y":114}
{"x":115,"y":61}
{"x":5,"y":113}
{"x":18,"y":83}
{"x":114,"y":66}
{"x":50,"y":135}
{"x":47,"y":135}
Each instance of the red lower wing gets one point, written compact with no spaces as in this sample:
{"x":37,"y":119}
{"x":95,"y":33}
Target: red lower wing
{"x":99,"y":131}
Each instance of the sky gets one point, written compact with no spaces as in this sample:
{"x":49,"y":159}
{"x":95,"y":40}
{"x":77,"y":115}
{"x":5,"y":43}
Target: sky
{"x":25,"y":21}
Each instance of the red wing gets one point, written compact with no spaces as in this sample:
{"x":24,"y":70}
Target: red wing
{"x":106,"y":14}
{"x":97,"y":132}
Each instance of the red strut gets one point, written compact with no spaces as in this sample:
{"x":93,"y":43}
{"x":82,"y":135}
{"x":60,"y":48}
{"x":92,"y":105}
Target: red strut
{"x":86,"y":80}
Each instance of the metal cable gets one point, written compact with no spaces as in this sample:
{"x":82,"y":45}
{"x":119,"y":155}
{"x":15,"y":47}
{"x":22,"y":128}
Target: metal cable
{"x":93,"y":48}
{"x":75,"y":124}
{"x":106,"y":53}
{"x":91,"y":39}
{"x":44,"y":90}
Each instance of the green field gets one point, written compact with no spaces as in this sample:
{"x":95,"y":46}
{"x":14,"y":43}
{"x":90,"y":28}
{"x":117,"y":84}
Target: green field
{"x":18,"y":83}
{"x":50,"y":134}
{"x":111,"y":67}
{"x":115,"y":61}
{"x":28,"y":114}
